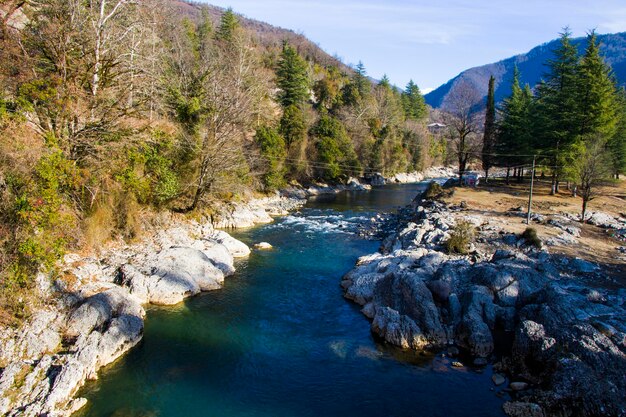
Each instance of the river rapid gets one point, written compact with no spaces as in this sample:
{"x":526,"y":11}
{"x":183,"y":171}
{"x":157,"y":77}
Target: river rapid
{"x":280,"y":340}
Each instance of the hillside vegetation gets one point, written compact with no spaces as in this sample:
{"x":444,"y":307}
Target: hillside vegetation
{"x":113,"y":109}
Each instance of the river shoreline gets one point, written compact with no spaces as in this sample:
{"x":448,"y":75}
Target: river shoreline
{"x":95,"y":312}
{"x":568,"y":352}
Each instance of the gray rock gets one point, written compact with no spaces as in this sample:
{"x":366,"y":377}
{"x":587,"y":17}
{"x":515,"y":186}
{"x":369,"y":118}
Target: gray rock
{"x":581,"y":265}
{"x":179,"y":273}
{"x":361,"y":288}
{"x":518,"y":386}
{"x":522,"y":409}
{"x":440,"y":289}
{"x":498,"y":379}
{"x":377,"y":179}
{"x":398,"y":329}
{"x":235,"y":247}
{"x":219,"y":255}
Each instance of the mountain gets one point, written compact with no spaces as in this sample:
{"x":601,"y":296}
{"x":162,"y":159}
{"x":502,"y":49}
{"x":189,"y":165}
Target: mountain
{"x":532,"y":68}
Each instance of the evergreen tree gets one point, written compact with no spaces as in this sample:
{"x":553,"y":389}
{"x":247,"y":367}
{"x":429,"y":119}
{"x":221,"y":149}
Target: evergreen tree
{"x":489,"y":135}
{"x":358,"y":88}
{"x":413,"y":102}
{"x":335,"y":150}
{"x":273,"y":150}
{"x":557,"y":125}
{"x":597,"y":99}
{"x":292,"y":78}
{"x":617,"y":143}
{"x":292,"y":125}
{"x":361,"y":81}
{"x":384,"y":82}
{"x":514,"y":134}
{"x":228,"y":24}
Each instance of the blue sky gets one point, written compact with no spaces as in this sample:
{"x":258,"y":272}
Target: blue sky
{"x":431,"y":41}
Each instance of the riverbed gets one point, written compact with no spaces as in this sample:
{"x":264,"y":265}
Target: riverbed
{"x":280,"y":340}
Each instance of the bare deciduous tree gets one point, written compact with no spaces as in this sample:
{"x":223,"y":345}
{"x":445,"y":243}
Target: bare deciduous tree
{"x":463,"y":123}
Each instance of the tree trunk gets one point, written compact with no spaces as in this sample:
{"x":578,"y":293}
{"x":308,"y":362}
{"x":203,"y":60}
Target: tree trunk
{"x":553,"y":188}
{"x":486,"y":175}
{"x":508,"y":173}
{"x":584,"y":210}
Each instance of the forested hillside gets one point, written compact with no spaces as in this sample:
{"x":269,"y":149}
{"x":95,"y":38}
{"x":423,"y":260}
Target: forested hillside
{"x":113,"y":109}
{"x":532,"y":69}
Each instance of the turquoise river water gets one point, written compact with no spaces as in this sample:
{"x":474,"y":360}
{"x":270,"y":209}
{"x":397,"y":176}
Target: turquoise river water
{"x":280,"y":340}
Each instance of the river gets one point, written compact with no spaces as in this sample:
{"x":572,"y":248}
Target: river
{"x":280,"y":340}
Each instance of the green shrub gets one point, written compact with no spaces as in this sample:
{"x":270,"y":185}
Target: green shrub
{"x":335,"y":150}
{"x":462,"y":235}
{"x":274,"y":151}
{"x":45,"y":221}
{"x":531,"y":238}
{"x":434,"y":191}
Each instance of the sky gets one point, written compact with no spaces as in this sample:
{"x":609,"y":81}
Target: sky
{"x":431,"y":41}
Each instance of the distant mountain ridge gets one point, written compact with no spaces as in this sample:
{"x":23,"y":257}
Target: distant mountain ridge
{"x":532,"y":69}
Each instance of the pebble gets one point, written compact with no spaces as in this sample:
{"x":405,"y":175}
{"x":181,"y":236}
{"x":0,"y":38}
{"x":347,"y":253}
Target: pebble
{"x":457,"y":364}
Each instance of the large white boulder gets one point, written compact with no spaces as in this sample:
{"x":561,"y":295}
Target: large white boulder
{"x":237,"y":248}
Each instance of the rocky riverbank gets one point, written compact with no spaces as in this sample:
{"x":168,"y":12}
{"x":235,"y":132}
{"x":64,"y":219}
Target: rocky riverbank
{"x":568,"y":336}
{"x":94,"y":308}
{"x":94,"y":311}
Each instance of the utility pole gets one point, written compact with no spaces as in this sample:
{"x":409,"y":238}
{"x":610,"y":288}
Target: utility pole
{"x":530,"y":196}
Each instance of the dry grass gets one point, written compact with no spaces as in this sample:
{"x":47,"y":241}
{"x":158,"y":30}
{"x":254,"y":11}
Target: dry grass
{"x":496,"y":200}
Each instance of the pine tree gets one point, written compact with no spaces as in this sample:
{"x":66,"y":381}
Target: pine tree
{"x":273,"y":150}
{"x":557,"y":125}
{"x":617,"y":144}
{"x":514,"y":137}
{"x":228,"y":24}
{"x":384,"y":82}
{"x":361,"y":81}
{"x":489,"y":135}
{"x":597,"y":98}
{"x":413,"y":102}
{"x":292,"y":78}
{"x":292,"y":125}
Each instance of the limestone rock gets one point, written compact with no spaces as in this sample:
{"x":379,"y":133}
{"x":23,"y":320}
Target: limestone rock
{"x":398,"y":329}
{"x":179,"y":273}
{"x":237,"y":248}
